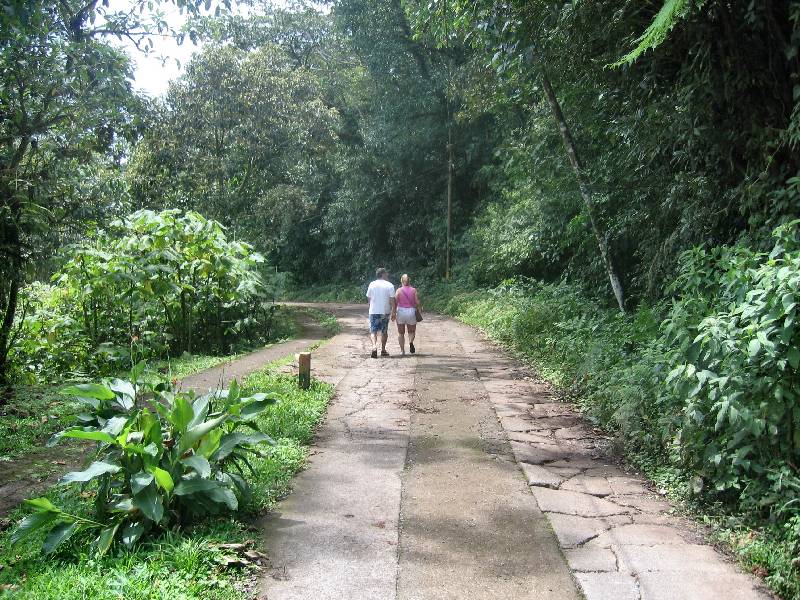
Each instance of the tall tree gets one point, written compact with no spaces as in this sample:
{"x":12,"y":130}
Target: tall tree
{"x":65,"y":97}
{"x":507,"y":29}
{"x":239,"y":138}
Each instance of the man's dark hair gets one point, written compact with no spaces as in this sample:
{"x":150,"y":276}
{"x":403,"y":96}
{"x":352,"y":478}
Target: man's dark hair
{"x":380,"y":272}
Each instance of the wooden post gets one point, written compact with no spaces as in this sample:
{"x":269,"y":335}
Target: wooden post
{"x":304,"y":370}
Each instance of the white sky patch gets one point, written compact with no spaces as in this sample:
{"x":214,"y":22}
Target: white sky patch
{"x":166,"y":60}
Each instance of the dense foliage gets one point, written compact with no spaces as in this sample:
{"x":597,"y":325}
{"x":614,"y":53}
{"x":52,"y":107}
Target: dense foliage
{"x":183,"y":562}
{"x":67,"y":115}
{"x":153,"y":285}
{"x":596,"y":153}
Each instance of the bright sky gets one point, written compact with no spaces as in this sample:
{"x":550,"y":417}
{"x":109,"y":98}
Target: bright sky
{"x":154,"y":71}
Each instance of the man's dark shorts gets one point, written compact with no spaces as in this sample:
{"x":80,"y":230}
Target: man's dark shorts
{"x":378,"y":323}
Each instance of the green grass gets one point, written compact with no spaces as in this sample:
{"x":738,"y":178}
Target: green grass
{"x":347,"y":293}
{"x":32,"y":415}
{"x":329,"y":322}
{"x":291,"y":423}
{"x":176,"y":565}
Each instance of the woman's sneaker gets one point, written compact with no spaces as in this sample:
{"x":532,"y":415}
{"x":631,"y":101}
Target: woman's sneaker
{"x":374,"y":354}
{"x":411,"y":347}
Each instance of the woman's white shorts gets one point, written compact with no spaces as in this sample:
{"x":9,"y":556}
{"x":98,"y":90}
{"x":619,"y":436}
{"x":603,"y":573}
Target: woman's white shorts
{"x":406,"y":316}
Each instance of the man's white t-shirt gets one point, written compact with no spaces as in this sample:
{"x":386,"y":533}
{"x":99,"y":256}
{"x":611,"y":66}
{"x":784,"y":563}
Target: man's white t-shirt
{"x":379,"y":292}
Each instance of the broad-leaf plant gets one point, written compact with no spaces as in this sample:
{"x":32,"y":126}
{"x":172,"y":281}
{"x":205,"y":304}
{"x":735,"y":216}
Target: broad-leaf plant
{"x":163,"y":458}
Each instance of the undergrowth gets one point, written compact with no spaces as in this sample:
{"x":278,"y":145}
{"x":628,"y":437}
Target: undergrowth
{"x":346,"y":292}
{"x":187,"y":563}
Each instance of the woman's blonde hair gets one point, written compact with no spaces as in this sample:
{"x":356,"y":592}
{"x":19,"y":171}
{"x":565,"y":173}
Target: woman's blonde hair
{"x":405,"y":279}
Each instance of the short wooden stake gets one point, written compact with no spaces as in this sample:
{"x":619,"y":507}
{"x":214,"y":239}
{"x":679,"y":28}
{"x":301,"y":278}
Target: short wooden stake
{"x":304,"y":370}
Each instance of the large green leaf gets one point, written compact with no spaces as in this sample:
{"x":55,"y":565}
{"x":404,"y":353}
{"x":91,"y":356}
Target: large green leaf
{"x":140,"y":480}
{"x":187,"y":487}
{"x":252,"y":410}
{"x":181,"y":414}
{"x":232,"y":440}
{"x":105,"y":539}
{"x":210,"y":443}
{"x":163,"y":479}
{"x":42,"y":504}
{"x":58,"y":535}
{"x":224,"y":495}
{"x":31,"y":524}
{"x":150,"y":426}
{"x":209,"y":488}
{"x":200,"y":409}
{"x":131,"y":533}
{"x":199,"y":463}
{"x":151,"y":504}
{"x":115,"y":425}
{"x":193,"y":435}
{"x":122,"y":387}
{"x":96,"y":469}
{"x":89,"y":390}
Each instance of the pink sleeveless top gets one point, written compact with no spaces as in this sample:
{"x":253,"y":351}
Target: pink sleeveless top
{"x":406,"y":297}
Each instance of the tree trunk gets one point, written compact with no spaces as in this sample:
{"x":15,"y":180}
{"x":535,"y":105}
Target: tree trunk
{"x":586,"y":193}
{"x":10,"y":305}
{"x":5,"y":330}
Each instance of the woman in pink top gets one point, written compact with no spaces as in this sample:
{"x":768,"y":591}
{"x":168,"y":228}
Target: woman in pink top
{"x":406,"y":313}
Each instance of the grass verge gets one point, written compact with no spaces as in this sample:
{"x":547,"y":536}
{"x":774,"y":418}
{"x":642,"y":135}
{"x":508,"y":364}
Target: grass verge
{"x":348,"y":292}
{"x":182,"y":564}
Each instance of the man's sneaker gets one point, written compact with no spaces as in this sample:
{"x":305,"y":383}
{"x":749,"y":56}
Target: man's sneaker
{"x":411,"y":347}
{"x":374,"y":354}
{"x":384,"y":353}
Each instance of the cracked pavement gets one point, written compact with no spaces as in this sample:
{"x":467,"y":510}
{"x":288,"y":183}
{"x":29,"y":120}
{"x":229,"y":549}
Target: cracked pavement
{"x":456,"y":474}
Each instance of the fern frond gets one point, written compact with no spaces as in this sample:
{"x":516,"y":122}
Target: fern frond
{"x":669,"y":15}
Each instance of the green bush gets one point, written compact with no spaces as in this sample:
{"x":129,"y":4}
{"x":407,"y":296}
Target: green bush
{"x":734,"y":380}
{"x":158,"y":464}
{"x":348,"y":293}
{"x":155,"y":285}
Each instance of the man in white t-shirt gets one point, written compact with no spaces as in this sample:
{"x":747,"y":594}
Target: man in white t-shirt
{"x":381,"y":304}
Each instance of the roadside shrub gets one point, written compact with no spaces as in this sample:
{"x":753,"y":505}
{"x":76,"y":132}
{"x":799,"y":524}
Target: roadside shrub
{"x":734,"y":373}
{"x":50,"y":339}
{"x":347,"y":293}
{"x":154,"y":285}
{"x":159,"y":463}
{"x":701,"y":391}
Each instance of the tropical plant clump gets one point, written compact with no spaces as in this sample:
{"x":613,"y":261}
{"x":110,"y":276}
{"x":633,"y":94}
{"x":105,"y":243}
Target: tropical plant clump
{"x":163,"y":459}
{"x":155,"y":285}
{"x":734,"y":376}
